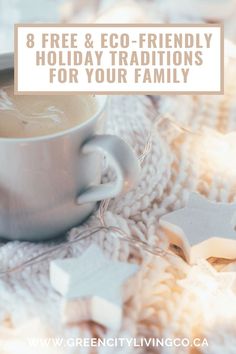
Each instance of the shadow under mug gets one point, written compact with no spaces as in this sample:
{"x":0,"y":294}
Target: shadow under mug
{"x":50,"y":184}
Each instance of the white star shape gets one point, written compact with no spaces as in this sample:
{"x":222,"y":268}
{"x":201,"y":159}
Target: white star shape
{"x":93,"y":277}
{"x":202,"y":229}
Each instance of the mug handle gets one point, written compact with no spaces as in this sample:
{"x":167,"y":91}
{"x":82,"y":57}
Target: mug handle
{"x":122,"y":159}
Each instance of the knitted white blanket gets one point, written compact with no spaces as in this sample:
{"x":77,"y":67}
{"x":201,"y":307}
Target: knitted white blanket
{"x":158,"y":306}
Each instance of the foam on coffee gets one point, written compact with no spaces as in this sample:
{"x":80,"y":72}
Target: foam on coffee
{"x":30,"y":116}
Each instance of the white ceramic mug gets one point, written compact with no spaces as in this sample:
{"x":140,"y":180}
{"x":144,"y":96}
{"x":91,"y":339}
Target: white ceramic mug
{"x":51,"y":183}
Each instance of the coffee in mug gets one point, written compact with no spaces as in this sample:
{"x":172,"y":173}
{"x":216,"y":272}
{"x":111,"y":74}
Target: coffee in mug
{"x":27,"y":116}
{"x":51,"y":155}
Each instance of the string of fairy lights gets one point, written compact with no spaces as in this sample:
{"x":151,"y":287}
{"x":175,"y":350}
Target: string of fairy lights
{"x":85,"y":234}
{"x":220,"y":148}
{"x":115,"y":231}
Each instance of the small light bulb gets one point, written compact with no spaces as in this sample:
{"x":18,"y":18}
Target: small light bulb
{"x":219,"y":151}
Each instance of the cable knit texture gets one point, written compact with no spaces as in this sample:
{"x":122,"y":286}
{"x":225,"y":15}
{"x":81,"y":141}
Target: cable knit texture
{"x":159,"y":306}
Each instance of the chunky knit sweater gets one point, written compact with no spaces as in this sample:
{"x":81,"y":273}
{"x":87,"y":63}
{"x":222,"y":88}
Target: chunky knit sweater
{"x":159,"y":306}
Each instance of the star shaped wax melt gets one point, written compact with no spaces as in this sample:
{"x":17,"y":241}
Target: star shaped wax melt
{"x":92,"y":287}
{"x":202,"y":229}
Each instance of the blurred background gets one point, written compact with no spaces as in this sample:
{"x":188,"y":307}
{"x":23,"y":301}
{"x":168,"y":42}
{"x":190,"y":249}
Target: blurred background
{"x":76,"y":11}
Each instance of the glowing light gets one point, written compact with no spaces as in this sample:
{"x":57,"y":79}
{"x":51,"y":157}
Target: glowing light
{"x":31,"y":338}
{"x":229,"y":50}
{"x":211,"y":290}
{"x":219,"y":151}
{"x":123,"y":12}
